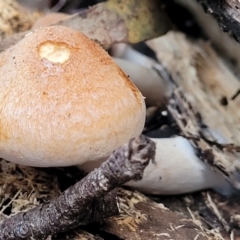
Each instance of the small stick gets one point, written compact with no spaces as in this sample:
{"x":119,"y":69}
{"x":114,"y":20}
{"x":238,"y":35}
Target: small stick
{"x":88,"y":200}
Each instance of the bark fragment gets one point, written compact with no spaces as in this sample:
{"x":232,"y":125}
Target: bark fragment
{"x":227,"y":13}
{"x":146,"y":219}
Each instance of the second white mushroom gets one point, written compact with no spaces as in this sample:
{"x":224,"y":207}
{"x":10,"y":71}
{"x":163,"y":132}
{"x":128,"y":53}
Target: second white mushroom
{"x":176,"y":170}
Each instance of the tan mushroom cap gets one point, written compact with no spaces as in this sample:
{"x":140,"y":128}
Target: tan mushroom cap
{"x":63,"y":101}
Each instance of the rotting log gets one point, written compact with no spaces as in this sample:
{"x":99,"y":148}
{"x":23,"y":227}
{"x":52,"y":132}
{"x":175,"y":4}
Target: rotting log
{"x":205,"y":100}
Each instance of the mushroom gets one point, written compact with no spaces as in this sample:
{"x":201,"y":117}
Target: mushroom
{"x":176,"y":170}
{"x":146,"y":73}
{"x":153,"y":87}
{"x":125,"y":51}
{"x":64,"y":101}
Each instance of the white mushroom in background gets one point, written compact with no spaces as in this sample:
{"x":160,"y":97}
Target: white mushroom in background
{"x":148,"y":81}
{"x":144,"y":72}
{"x":125,"y":51}
{"x":65,"y":102}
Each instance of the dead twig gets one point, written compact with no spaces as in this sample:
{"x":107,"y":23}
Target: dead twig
{"x":86,"y":201}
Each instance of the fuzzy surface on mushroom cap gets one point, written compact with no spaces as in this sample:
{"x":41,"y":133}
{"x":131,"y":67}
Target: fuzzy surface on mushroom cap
{"x":64,"y":101}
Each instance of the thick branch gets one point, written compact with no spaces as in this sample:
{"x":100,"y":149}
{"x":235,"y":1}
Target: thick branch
{"x":77,"y":205}
{"x":113,"y":22}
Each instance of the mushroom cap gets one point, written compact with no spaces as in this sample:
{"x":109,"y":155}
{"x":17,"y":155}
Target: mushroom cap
{"x":64,"y":101}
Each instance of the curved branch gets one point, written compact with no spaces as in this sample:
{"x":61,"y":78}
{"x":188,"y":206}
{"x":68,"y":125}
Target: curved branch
{"x":88,"y":200}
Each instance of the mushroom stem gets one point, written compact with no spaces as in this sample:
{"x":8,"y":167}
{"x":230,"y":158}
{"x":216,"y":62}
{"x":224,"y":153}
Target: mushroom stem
{"x":87,"y":200}
{"x":176,"y":170}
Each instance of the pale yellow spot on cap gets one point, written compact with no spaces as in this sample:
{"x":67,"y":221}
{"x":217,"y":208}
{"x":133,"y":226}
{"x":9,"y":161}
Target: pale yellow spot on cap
{"x":54,"y":52}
